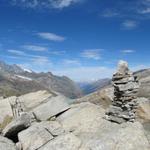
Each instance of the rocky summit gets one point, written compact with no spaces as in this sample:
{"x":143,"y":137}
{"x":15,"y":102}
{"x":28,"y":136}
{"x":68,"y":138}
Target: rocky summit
{"x":126,"y":87}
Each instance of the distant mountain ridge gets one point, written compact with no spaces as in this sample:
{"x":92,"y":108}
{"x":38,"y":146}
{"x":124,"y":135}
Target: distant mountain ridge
{"x":15,"y":80}
{"x":90,"y":87}
{"x":144,"y":77}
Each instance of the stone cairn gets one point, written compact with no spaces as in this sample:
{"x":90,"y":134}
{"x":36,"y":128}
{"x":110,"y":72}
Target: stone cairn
{"x":126,"y":87}
{"x":17,"y":108}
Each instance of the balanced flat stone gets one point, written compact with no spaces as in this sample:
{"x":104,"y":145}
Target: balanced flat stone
{"x":52,"y":107}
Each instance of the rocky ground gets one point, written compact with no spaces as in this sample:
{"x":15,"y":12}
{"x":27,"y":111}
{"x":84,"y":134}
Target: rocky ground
{"x":50,"y":121}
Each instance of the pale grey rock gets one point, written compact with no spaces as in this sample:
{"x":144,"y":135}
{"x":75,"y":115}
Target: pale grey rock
{"x":52,"y":107}
{"x":34,"y":99}
{"x":63,"y":142}
{"x":18,"y":146}
{"x":16,"y":126}
{"x":6,"y":144}
{"x":129,"y":86}
{"x":110,"y":136}
{"x":34,"y":137}
{"x":54,"y":127}
{"x":83,"y":117}
{"x":122,"y":67}
{"x":1,"y":98}
{"x":85,"y":120}
{"x":5,"y":112}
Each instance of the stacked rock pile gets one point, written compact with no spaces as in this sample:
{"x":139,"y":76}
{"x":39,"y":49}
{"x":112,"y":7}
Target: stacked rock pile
{"x":126,"y":87}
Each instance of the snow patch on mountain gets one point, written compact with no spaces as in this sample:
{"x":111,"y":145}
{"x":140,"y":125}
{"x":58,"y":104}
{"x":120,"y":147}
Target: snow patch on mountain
{"x":23,"y":77}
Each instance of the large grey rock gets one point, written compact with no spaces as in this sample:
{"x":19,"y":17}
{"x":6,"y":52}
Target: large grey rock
{"x":35,"y":136}
{"x":52,"y":107}
{"x":17,"y":125}
{"x":83,"y":117}
{"x":63,"y":142}
{"x":128,"y":136}
{"x":34,"y":99}
{"x":86,"y":121}
{"x":6,"y":114}
{"x":54,"y":127}
{"x":6,"y":144}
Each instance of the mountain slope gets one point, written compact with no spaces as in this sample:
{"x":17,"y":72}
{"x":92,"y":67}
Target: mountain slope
{"x":17,"y":81}
{"x":144,"y":77}
{"x":91,"y":87}
{"x":104,"y":95}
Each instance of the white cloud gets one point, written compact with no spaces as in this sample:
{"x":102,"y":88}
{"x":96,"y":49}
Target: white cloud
{"x":51,"y":36}
{"x":92,"y":54}
{"x":63,"y":3}
{"x":129,"y":24}
{"x":16,"y":52}
{"x":86,"y":73}
{"x":71,"y":62}
{"x":145,"y":11}
{"x":39,"y":64}
{"x":58,"y":4}
{"x":128,"y":51}
{"x":20,"y":54}
{"x":55,"y":52}
{"x":108,"y":13}
{"x":144,"y":7}
{"x":35,"y":48}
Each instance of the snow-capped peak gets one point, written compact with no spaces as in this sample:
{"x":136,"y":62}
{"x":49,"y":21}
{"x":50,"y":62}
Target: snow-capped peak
{"x":27,"y":70}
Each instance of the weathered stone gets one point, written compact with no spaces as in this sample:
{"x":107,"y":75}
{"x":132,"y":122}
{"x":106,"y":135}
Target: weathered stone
{"x":34,"y":99}
{"x":34,"y":137}
{"x":18,"y":146}
{"x":63,"y":142}
{"x":6,"y":114}
{"x":83,"y":117}
{"x":127,"y":136}
{"x":17,"y":125}
{"x":6,"y":144}
{"x":123,"y":68}
{"x":52,"y":107}
{"x":1,"y":98}
{"x":128,"y":86}
{"x":54,"y":127}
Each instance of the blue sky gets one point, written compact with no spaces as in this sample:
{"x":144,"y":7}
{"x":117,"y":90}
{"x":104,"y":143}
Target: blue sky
{"x":83,"y":39}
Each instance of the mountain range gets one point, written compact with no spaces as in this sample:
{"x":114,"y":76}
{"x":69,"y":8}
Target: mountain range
{"x":14,"y":80}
